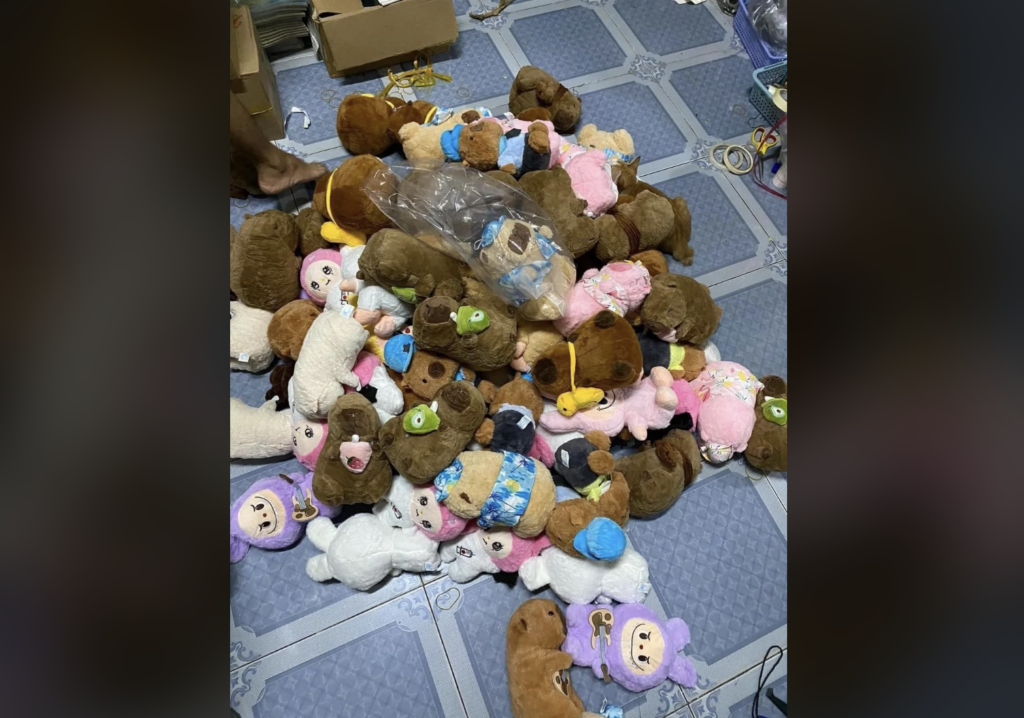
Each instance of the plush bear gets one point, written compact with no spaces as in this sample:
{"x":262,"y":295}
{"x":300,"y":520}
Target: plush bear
{"x":273,"y":512}
{"x":422,"y":140}
{"x":728,"y":392}
{"x":767,"y":448}
{"x":280,"y":378}
{"x":633,"y":225}
{"x":591,"y":527}
{"x":533,"y":339}
{"x":678,"y":242}
{"x":684,"y":360}
{"x":498,"y":489}
{"x":490,"y":348}
{"x":248,"y":346}
{"x":320,"y":270}
{"x":578,"y":580}
{"x":591,"y":175}
{"x":427,"y":373}
{"x":259,"y":433}
{"x":552,"y":190}
{"x":538,"y":671}
{"x":617,"y":145}
{"x":525,"y":146}
{"x":619,"y":287}
{"x":351,"y":468}
{"x":607,"y":356}
{"x":364,"y":550}
{"x":289,"y":326}
{"x":363,"y":121}
{"x":340,"y":198}
{"x":489,"y":551}
{"x":324,"y":366}
{"x":264,"y":268}
{"x":409,"y":268}
{"x":421,"y":454}
{"x":658,"y":474}
{"x":629,"y":644}
{"x":535,"y":88}
{"x":310,"y":222}
{"x":680,"y":309}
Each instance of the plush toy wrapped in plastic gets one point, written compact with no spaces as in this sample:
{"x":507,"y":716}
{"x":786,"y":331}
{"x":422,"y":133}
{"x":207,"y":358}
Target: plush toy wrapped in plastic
{"x":499,"y":231}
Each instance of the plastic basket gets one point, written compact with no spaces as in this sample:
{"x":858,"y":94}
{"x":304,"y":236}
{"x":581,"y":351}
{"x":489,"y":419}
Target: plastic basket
{"x":760,"y":98}
{"x":760,"y":54}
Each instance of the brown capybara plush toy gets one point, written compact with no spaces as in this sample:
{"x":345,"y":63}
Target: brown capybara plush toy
{"x":264,"y":268}
{"x":416,"y":112}
{"x":680,"y":309}
{"x":428,"y":372}
{"x":678,"y":242}
{"x":657,"y":475}
{"x":289,"y":325}
{"x":340,"y":198}
{"x":535,"y":88}
{"x":409,"y":268}
{"x":279,"y":378}
{"x":486,"y":343}
{"x":351,"y":468}
{"x":607,"y":357}
{"x":587,"y":464}
{"x":535,"y":113}
{"x":767,"y":448}
{"x":309,"y":222}
{"x":362,"y":123}
{"x":633,"y":225}
{"x":532,"y":340}
{"x":552,"y":190}
{"x":425,"y":440}
{"x":537,"y":667}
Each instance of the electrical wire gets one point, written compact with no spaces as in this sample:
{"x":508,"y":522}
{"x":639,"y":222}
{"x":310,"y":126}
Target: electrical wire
{"x":758,"y":170}
{"x":755,"y":707}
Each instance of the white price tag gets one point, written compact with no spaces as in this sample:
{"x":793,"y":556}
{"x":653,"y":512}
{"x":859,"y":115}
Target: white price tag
{"x":524,"y":422}
{"x":244,"y":357}
{"x":565,"y":457}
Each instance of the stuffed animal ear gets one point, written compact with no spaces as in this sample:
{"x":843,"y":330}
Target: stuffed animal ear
{"x":601,"y":462}
{"x":624,"y":141}
{"x":664,"y":451}
{"x":774,"y":385}
{"x":586,"y":132}
{"x":238,"y":549}
{"x":678,"y":632}
{"x":683,"y":672}
{"x":599,"y":439}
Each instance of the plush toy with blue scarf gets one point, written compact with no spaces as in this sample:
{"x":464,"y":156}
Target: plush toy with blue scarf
{"x":518,"y":255}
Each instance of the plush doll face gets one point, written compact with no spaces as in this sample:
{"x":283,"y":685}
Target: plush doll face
{"x":320,"y":270}
{"x":262,"y":515}
{"x":426,"y":512}
{"x":308,"y":437}
{"x":774,"y":410}
{"x":351,"y":467}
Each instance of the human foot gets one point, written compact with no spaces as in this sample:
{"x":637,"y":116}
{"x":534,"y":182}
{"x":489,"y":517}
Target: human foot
{"x":286,"y":170}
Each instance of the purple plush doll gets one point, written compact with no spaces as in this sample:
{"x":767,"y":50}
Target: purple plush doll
{"x":629,"y":644}
{"x":273,"y":512}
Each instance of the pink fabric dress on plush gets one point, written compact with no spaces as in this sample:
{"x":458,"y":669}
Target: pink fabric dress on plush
{"x":619,"y":287}
{"x":727,"y":392}
{"x":591,"y":177}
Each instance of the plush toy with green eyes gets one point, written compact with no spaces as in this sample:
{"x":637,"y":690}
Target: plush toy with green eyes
{"x":421,"y":419}
{"x":470,"y":320}
{"x":774,"y":410}
{"x":768,"y":448}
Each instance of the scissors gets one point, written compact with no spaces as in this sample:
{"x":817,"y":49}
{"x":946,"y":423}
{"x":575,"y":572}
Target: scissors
{"x":758,"y":135}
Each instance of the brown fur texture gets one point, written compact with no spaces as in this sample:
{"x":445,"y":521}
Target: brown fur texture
{"x":535,"y":88}
{"x":280,"y":375}
{"x":519,"y":391}
{"x":350,"y":207}
{"x":362,"y":123}
{"x":653,"y":259}
{"x":535,"y":113}
{"x":480,"y":470}
{"x":607,"y":357}
{"x":652,"y":218}
{"x":264,"y":268}
{"x":538,"y":670}
{"x":504,"y":178}
{"x":552,"y":190}
{"x":429,"y":372}
{"x":395,"y":259}
{"x":333,"y":483}
{"x":234,"y":234}
{"x":768,"y":447}
{"x":561,"y":279}
{"x":415,"y":112}
{"x":309,"y":222}
{"x":421,"y":457}
{"x":421,"y":141}
{"x":532,"y":340}
{"x":682,"y":304}
{"x":492,"y":348}
{"x":570,"y":517}
{"x":478,"y":145}
{"x":657,"y":475}
{"x":694,"y":362}
{"x":289,"y":325}
{"x":678,"y":242}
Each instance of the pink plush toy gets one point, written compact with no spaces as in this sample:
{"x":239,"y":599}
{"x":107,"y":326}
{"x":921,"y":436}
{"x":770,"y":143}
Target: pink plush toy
{"x":688,"y":401}
{"x":727,"y":392}
{"x":320,"y":269}
{"x":591,"y":175}
{"x":620,"y":287}
{"x":650,"y":404}
{"x":308,"y":437}
{"x":489,"y":551}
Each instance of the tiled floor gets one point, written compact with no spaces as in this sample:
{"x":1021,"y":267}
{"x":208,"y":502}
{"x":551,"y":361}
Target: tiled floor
{"x":676,"y":77}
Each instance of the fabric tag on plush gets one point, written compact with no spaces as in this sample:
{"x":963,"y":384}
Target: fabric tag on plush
{"x":244,"y":356}
{"x":524,"y":422}
{"x":347,"y":310}
{"x":645,"y":588}
{"x":565,"y":457}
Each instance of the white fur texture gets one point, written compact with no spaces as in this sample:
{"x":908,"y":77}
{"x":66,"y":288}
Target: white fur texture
{"x":711,"y":352}
{"x":248,"y":335}
{"x":324,"y":366}
{"x":389,"y":402}
{"x":579,"y":580}
{"x":350,"y":265}
{"x":461,"y":568}
{"x":393,"y":509}
{"x":260,"y":433}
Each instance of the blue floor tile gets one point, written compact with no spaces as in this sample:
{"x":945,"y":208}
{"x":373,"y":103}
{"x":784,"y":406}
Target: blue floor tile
{"x":461,"y":7}
{"x":716,"y":93}
{"x":568,"y":43}
{"x":477,"y":70}
{"x":719,"y":236}
{"x":753,"y":328}
{"x":664,"y":27}
{"x":634,"y":107}
{"x":774,"y":207}
{"x":251,"y":388}
{"x":312,"y":89}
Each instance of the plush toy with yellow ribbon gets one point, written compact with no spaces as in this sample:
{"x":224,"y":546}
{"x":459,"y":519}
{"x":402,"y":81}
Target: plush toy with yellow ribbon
{"x":332,"y":231}
{"x":577,"y":399}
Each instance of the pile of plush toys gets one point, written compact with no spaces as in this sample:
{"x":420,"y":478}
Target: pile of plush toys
{"x":482,"y":438}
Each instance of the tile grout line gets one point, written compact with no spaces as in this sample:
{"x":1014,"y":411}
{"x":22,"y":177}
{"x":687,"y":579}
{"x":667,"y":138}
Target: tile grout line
{"x":720,"y":686}
{"x":447,"y":658}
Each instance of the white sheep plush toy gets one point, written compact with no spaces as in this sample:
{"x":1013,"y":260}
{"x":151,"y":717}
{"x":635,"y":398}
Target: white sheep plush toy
{"x":367,"y":548}
{"x":324,"y":366}
{"x":248,"y":344}
{"x":579,"y":580}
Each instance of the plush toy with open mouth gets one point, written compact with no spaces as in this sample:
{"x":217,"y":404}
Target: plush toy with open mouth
{"x":352,"y":468}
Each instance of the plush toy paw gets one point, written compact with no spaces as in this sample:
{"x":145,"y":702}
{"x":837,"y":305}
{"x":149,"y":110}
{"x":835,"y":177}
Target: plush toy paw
{"x":385,"y":327}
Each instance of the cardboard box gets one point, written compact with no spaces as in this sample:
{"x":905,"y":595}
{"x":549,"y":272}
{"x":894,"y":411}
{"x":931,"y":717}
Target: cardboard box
{"x":252,"y":79}
{"x":355,"y":39}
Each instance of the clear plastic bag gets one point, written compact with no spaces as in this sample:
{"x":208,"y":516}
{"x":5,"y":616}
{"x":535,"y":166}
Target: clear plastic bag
{"x":768,"y":18}
{"x":508,"y":241}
